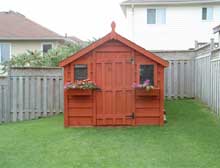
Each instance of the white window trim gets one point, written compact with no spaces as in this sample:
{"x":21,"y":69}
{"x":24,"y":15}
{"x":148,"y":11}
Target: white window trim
{"x":45,"y":43}
{"x":213,"y":13}
{"x":156,"y":16}
{"x":9,"y":49}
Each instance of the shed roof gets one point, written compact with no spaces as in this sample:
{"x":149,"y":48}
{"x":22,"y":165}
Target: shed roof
{"x":15,"y":26}
{"x":114,"y":36}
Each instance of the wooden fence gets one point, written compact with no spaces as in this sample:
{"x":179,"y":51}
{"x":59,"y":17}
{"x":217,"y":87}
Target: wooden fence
{"x":207,"y":83}
{"x":179,"y":79}
{"x":30,"y":93}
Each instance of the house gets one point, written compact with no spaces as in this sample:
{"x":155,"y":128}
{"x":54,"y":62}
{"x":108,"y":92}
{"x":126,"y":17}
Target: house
{"x":74,"y":39}
{"x":171,"y":24}
{"x":19,"y":34}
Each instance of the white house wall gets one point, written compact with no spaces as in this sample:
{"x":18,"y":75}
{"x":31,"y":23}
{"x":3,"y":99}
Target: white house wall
{"x":183,"y":26}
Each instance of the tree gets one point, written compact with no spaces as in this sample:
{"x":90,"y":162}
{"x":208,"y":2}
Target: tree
{"x":39,"y":59}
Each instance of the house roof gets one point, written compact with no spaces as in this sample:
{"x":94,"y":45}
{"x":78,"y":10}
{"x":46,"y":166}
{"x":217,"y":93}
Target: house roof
{"x":15,"y":26}
{"x":113,"y":36}
{"x":216,"y":29}
{"x":154,"y":2}
{"x":74,"y":39}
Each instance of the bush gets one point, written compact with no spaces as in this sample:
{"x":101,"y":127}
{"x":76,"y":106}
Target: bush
{"x":38,"y":59}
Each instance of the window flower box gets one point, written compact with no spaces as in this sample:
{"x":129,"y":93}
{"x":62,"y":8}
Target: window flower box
{"x":144,"y":92}
{"x":79,"y":92}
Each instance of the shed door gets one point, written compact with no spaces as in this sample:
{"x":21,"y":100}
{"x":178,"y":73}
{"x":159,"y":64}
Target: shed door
{"x":115,"y":101}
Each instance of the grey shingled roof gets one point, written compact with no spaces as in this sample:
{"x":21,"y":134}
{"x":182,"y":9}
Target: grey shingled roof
{"x":15,"y":26}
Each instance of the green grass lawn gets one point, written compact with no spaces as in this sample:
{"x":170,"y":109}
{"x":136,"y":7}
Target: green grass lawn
{"x":190,"y":139}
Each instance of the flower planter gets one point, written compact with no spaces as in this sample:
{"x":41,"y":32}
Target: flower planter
{"x":79,"y":92}
{"x":143,"y":92}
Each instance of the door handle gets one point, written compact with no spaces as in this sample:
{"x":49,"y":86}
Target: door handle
{"x":132,"y":116}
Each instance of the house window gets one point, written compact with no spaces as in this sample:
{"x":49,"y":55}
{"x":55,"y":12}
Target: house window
{"x":46,"y":47}
{"x":147,"y":73}
{"x":156,"y":16}
{"x":80,"y":72}
{"x":207,"y":14}
{"x":4,"y":52}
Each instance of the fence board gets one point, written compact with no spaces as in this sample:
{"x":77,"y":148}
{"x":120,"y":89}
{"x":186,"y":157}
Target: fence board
{"x":14,"y":98}
{"x":45,"y":96}
{"x":27,"y":98}
{"x":20,"y":100}
{"x":2,"y":103}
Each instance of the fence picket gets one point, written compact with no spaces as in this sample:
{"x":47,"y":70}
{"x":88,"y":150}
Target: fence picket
{"x":2,"y":103}
{"x":20,"y":100}
{"x":14,"y":98}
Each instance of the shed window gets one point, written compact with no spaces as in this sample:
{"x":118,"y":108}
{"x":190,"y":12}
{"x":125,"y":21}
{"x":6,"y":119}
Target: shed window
{"x":147,"y":73}
{"x":80,"y":72}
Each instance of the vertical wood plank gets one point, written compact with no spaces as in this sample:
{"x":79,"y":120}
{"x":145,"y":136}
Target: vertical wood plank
{"x":27,"y":98}
{"x":20,"y":101}
{"x":61,"y":95}
{"x":57,"y":94}
{"x":181,"y":77}
{"x":32,"y":97}
{"x":175,"y":79}
{"x":169,"y":80}
{"x":45,"y":96}
{"x":1,"y":104}
{"x":14,"y":98}
{"x":50,"y":96}
{"x":38,"y":97}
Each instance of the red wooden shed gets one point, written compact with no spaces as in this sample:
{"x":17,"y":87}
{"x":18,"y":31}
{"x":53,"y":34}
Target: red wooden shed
{"x":114,"y":63}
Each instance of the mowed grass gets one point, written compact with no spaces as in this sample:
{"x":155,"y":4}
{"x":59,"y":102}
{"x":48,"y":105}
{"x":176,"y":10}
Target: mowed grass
{"x":190,"y":139}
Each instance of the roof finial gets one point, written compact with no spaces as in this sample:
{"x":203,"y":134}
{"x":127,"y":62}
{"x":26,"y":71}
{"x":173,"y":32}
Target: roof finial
{"x":113,"y":25}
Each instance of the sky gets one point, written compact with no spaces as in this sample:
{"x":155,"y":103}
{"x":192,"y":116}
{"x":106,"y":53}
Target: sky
{"x":85,"y":19}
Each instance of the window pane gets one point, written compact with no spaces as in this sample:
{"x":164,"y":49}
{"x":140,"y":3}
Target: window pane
{"x":151,"y":16}
{"x":161,"y":16}
{"x":209,"y":14}
{"x":46,"y":47}
{"x":80,"y":72}
{"x":204,"y":13}
{"x":147,"y":73}
{"x":5,"y":52}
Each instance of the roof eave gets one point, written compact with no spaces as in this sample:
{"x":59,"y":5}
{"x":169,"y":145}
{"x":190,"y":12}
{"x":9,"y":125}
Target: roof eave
{"x":124,"y":4}
{"x":31,"y":38}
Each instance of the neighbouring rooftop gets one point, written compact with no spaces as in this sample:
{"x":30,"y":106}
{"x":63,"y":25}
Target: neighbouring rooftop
{"x":15,"y":26}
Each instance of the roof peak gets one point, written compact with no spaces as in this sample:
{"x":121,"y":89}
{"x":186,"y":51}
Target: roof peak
{"x":113,"y":25}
